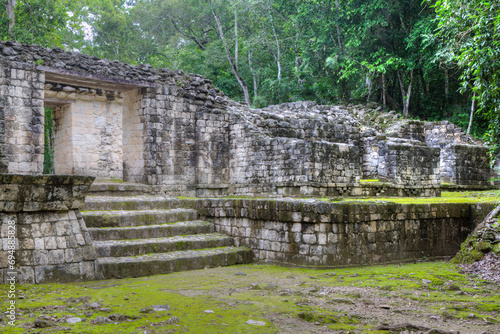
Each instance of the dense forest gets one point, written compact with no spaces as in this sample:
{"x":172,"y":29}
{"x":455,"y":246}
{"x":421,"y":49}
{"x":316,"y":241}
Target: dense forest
{"x":431,"y":60}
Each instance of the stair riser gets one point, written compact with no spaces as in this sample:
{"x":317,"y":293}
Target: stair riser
{"x":157,"y":232}
{"x":102,"y":188}
{"x":133,"y":250}
{"x":137,"y":219}
{"x":117,"y":193}
{"x":132,"y":205}
{"x":132,"y":269}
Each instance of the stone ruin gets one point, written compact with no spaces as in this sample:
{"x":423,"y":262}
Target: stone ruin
{"x":181,"y":136}
{"x":177,"y":132}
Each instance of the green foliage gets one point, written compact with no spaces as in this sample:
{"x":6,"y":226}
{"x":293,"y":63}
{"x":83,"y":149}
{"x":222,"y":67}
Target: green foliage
{"x":471,"y":29}
{"x":48,"y":154}
{"x":43,"y":22}
{"x":288,"y":50}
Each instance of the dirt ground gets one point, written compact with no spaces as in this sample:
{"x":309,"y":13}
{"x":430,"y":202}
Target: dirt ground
{"x":432,"y":297}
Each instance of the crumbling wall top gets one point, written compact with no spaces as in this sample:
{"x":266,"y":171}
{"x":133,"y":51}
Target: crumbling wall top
{"x":61,"y":61}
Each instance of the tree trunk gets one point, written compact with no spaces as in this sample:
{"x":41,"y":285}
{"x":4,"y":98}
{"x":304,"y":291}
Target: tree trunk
{"x":369,"y":85}
{"x":278,"y":51}
{"x":384,"y":91}
{"x":343,"y":83}
{"x":231,"y":62}
{"x":338,"y":26}
{"x":446,"y":85}
{"x":255,"y":88}
{"x":472,"y":109}
{"x":487,"y":219}
{"x":277,"y":56}
{"x":236,"y":51}
{"x":405,"y":94}
{"x":11,"y":5}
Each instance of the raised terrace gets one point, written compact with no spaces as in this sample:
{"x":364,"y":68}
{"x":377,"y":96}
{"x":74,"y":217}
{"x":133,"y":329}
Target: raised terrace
{"x":160,"y":133}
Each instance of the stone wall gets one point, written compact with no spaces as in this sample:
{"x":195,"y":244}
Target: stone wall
{"x":174,"y":157}
{"x":133,"y":137}
{"x":439,"y":134}
{"x":463,"y":160}
{"x":41,"y":222}
{"x":21,"y":91}
{"x":288,"y":166}
{"x":409,"y":164}
{"x":370,"y":154}
{"x":469,"y":165}
{"x":323,"y":234}
{"x":4,"y":159}
{"x":407,"y":129}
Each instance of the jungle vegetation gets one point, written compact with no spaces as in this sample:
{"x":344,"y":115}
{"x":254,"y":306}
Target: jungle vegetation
{"x":430,"y":60}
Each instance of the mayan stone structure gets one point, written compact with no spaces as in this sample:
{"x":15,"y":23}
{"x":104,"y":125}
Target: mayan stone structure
{"x":51,"y":239}
{"x":177,"y":132}
{"x":168,"y":133}
{"x":308,"y":233}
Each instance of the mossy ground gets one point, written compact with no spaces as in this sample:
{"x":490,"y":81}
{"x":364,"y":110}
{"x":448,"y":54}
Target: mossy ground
{"x":349,"y":300}
{"x":484,"y":196}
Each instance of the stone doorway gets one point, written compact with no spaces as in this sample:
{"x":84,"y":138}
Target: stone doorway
{"x":97,"y":129}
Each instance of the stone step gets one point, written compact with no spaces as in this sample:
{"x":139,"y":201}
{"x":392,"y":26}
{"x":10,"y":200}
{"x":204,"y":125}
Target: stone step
{"x":110,"y":188}
{"x":118,"y":248}
{"x":165,"y":263}
{"x":150,"y":231}
{"x":143,"y":202}
{"x":122,"y":218}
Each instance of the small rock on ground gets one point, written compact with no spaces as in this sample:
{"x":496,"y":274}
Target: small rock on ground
{"x":73,"y":320}
{"x":101,"y":320}
{"x":43,"y":321}
{"x":256,"y":323}
{"x":161,"y":308}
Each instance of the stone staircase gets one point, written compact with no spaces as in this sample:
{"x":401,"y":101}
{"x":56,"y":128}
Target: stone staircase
{"x":136,"y":234}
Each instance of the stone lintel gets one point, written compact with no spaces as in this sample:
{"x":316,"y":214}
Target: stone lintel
{"x":91,"y":80}
{"x":54,"y":102}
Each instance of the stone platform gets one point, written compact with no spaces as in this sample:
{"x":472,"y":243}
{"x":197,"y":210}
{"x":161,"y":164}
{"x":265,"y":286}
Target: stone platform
{"x":43,"y":231}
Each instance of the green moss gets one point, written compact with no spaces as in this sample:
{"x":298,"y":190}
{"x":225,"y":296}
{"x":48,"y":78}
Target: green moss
{"x":468,"y":197}
{"x":234,"y":301}
{"x":114,"y":180}
{"x":368,"y":181}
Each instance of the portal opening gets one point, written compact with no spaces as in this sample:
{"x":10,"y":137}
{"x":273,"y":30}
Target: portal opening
{"x":48,"y":154}
{"x":93,"y":132}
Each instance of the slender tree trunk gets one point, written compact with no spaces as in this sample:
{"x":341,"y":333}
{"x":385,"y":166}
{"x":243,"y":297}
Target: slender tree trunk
{"x":446,"y":85}
{"x":369,"y":85}
{"x":472,"y":109}
{"x":343,"y":83}
{"x":254,"y":76}
{"x":11,"y":5}
{"x":384,"y":91}
{"x":278,"y":48}
{"x":405,"y":94}
{"x":231,"y":62}
{"x":236,"y":46}
{"x":338,"y":26}
{"x":425,"y":87}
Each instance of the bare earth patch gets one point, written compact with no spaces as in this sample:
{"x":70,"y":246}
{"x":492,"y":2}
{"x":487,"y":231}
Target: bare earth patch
{"x":488,"y":268}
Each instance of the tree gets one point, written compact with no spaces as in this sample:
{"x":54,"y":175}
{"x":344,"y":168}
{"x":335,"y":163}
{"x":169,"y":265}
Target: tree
{"x":42,"y":22}
{"x":233,"y":61}
{"x":471,"y":29}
